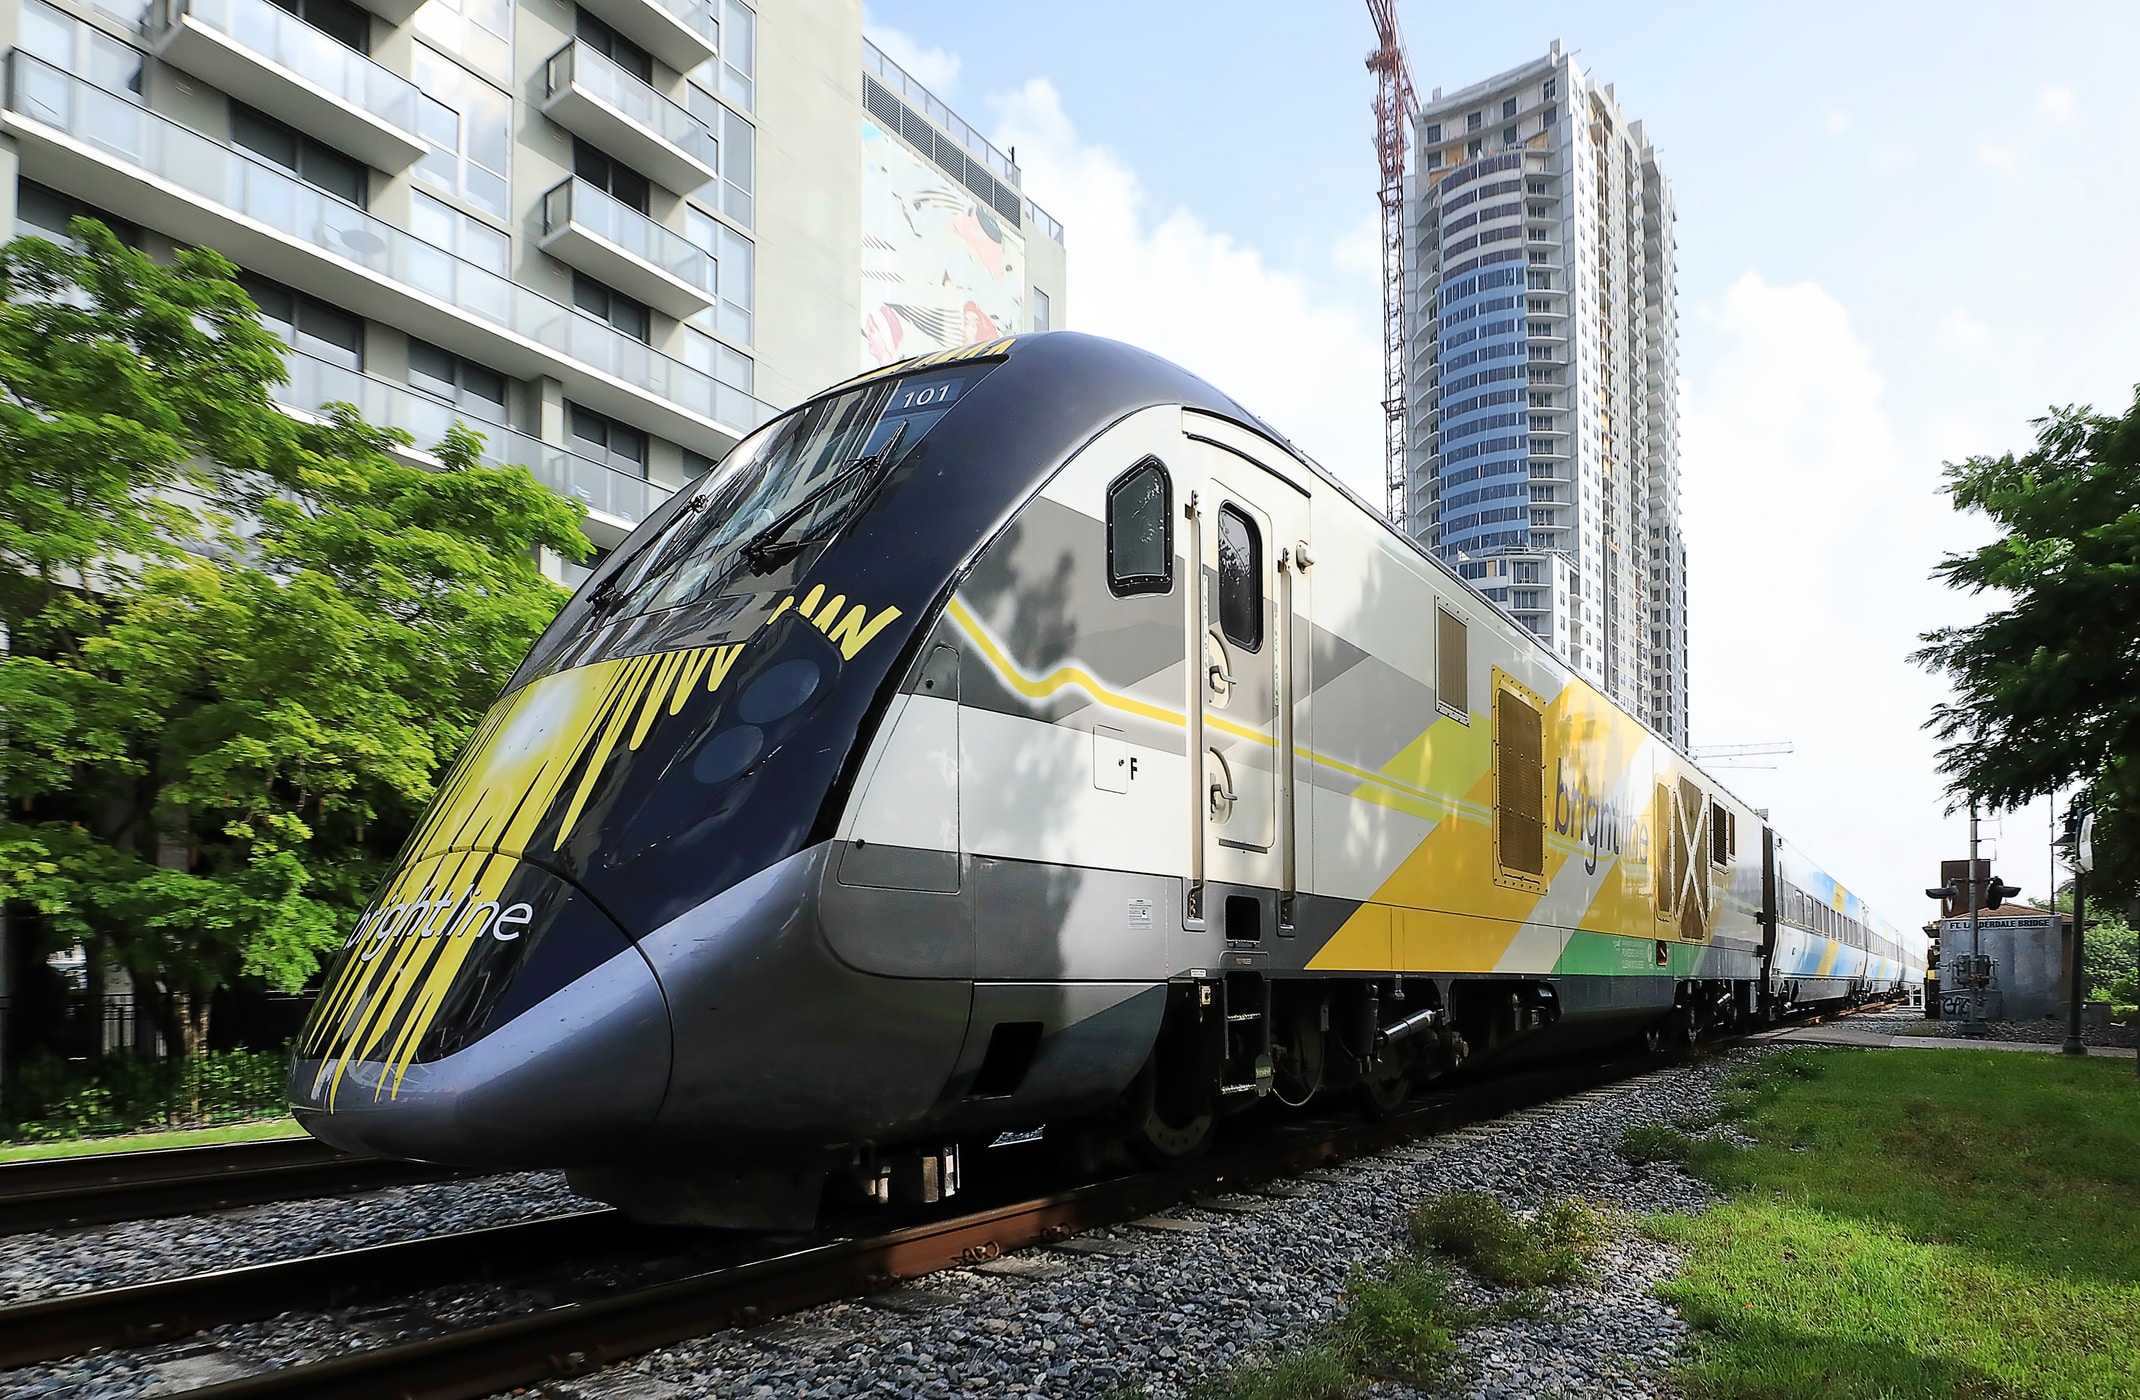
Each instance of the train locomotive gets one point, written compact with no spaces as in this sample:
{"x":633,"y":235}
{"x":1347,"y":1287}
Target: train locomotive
{"x":1023,"y":742}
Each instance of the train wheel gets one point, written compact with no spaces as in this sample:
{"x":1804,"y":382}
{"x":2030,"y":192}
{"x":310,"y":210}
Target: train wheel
{"x":1384,"y":1089}
{"x":1169,"y":1123}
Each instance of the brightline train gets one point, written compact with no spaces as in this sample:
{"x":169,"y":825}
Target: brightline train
{"x":1025,"y":741}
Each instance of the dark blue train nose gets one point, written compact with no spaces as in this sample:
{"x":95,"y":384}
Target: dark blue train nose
{"x":541,"y":1040}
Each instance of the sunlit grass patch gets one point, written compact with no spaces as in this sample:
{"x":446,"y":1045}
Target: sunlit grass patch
{"x":1919,"y":1224}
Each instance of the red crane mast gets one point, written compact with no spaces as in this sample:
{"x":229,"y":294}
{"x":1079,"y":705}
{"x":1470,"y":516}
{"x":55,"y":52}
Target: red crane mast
{"x":1395,"y":106}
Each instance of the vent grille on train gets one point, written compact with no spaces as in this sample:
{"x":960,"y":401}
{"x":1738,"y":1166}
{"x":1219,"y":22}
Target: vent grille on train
{"x":1694,"y":908}
{"x":1519,"y":784}
{"x":1452,"y":672}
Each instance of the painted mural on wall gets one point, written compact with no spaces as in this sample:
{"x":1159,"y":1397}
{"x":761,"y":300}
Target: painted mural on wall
{"x":939,"y":270}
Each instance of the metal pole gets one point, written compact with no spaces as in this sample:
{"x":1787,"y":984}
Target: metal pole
{"x":1974,"y":886}
{"x":2073,"y":1045}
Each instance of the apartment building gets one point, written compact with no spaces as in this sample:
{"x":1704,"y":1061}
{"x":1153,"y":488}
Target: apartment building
{"x":614,"y":236}
{"x":1543,"y":453}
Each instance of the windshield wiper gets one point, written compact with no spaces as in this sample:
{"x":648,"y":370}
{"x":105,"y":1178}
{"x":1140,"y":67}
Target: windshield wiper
{"x":766,"y":551}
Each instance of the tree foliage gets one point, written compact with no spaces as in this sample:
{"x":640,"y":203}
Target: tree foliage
{"x":241,"y":644}
{"x":2047,"y":685}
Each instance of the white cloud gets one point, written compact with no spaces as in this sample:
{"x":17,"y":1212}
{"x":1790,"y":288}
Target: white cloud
{"x":936,"y":69}
{"x":2056,"y":103}
{"x":1168,"y":282}
{"x":1811,"y":526}
{"x":2002,"y":156}
{"x":1836,"y":121}
{"x":1960,"y":331}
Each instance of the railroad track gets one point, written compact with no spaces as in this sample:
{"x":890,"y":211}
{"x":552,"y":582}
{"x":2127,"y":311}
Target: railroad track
{"x":106,"y":1187}
{"x":733,"y":1281}
{"x":749,"y":1286}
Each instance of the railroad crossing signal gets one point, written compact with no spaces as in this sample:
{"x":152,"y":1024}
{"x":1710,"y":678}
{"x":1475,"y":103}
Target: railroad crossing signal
{"x":1960,"y":884}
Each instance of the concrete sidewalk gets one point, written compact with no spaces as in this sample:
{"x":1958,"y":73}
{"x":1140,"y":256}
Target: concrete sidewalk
{"x":1843,"y":1033}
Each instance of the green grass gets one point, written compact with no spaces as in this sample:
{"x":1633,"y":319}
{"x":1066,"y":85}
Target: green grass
{"x":1919,"y":1224}
{"x":142,"y":1142}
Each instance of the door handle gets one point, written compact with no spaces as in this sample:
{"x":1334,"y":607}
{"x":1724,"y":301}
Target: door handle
{"x":1220,"y":794}
{"x":1220,"y":679}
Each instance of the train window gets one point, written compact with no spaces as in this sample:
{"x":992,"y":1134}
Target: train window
{"x":1719,"y":834}
{"x":1240,"y":579}
{"x":1140,"y":531}
{"x":1452,"y":680}
{"x":1519,"y":785}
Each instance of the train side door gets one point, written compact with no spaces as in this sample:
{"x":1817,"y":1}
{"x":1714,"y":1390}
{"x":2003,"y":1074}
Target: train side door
{"x":1248,"y":527}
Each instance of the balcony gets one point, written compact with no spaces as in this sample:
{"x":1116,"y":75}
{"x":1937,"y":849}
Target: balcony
{"x":681,"y":33}
{"x":606,"y":238}
{"x":615,"y":502}
{"x":102,"y":148}
{"x":590,"y":96}
{"x":290,"y":70}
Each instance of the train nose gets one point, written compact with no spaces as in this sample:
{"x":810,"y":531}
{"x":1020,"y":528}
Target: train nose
{"x":496,"y":1019}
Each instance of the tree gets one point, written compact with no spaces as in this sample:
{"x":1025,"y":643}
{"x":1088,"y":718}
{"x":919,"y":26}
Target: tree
{"x":242,"y":645}
{"x":2047,"y":686}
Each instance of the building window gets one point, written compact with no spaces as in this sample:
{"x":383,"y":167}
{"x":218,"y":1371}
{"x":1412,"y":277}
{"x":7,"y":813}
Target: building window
{"x":1508,"y":108}
{"x":1508,"y":136}
{"x":696,"y":464}
{"x":1551,"y":89}
{"x":1140,"y":531}
{"x":605,"y":440}
{"x":738,"y":141}
{"x":739,"y":53}
{"x":469,"y":124}
{"x":612,"y":177}
{"x":738,"y":257}
{"x":307,"y":159}
{"x":1474,"y":149}
{"x":48,"y":214}
{"x":614,"y":47}
{"x":324,"y":332}
{"x":608,"y":304}
{"x":1040,"y":310}
{"x":460,"y":382}
{"x":337,"y":19}
{"x":1434,"y":160}
{"x":1474,"y":121}
{"x":1240,"y":579}
{"x":1549,"y":116}
{"x":1434,"y":132}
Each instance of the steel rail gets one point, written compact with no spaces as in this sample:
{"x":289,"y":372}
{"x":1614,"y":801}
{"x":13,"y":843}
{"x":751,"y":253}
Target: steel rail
{"x":101,"y":1188}
{"x":580,"y":1337}
{"x":48,"y":1329}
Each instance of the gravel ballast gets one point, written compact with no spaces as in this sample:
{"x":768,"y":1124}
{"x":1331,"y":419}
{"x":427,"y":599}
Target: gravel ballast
{"x":1157,"y":1304}
{"x":47,"y":1264}
{"x":1162,"y":1304}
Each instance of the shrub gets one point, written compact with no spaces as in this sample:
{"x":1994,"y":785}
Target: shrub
{"x":50,"y":1098}
{"x":1478,"y":1231}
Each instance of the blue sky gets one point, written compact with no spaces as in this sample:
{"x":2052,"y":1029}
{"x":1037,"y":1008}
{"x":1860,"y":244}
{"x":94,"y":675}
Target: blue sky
{"x":1904,"y":230}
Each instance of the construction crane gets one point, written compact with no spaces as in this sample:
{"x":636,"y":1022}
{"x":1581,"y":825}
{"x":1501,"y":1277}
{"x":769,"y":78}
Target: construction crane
{"x":1395,"y":106}
{"x":1734,"y":755}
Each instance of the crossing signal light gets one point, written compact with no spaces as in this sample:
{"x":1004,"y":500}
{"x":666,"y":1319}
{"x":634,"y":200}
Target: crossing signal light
{"x":1996,"y":894}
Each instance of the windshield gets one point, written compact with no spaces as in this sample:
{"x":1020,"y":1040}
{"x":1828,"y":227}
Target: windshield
{"x":805,"y":474}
